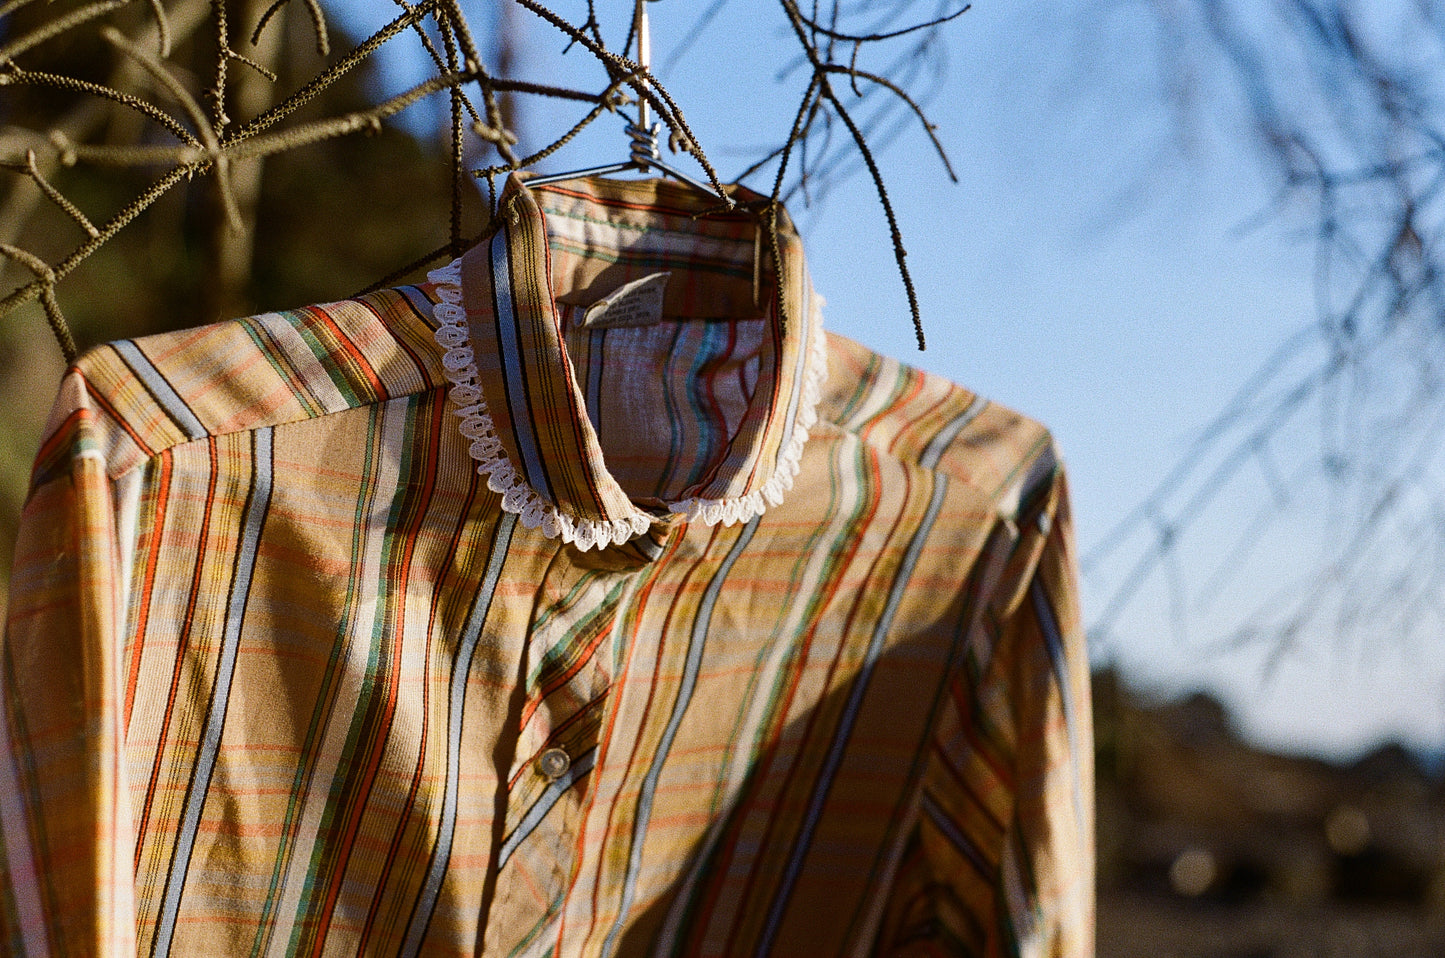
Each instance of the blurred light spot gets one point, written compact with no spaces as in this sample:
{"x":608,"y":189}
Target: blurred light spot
{"x":1193,"y":872}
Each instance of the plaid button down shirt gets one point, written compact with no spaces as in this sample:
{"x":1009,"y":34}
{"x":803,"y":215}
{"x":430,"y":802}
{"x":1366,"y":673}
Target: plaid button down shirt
{"x":450,"y":621}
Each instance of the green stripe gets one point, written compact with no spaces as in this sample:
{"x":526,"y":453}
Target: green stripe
{"x":770,"y":726}
{"x":328,"y":355}
{"x":562,"y":654}
{"x":368,"y":729}
{"x":267,"y":347}
{"x":326,"y":695}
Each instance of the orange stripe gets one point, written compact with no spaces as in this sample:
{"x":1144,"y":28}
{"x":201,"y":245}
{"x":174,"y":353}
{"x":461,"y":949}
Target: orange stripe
{"x":148,"y":580}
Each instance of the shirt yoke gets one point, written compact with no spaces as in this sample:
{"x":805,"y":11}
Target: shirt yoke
{"x":129,"y":400}
{"x":926,"y":420}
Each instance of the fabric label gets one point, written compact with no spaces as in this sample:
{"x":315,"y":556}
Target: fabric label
{"x":638,"y":303}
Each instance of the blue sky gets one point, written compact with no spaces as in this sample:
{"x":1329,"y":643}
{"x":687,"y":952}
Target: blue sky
{"x":1084,"y":271}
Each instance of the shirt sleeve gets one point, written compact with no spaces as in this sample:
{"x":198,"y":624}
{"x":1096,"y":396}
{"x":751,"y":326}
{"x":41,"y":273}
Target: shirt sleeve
{"x":1001,"y":862}
{"x":66,"y":875}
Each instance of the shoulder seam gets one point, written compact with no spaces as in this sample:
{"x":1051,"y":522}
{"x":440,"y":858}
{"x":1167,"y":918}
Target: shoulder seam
{"x":170,"y":404}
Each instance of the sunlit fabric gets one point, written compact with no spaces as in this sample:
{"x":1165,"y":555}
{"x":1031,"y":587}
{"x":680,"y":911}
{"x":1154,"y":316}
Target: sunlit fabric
{"x":286,"y":674}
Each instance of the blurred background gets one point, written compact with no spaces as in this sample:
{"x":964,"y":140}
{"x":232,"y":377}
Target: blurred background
{"x":1199,"y":239}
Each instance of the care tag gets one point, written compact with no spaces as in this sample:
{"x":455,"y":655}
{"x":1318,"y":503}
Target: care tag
{"x":638,"y":303}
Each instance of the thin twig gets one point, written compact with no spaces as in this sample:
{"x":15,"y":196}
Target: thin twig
{"x":470,"y":57}
{"x":217,"y":93}
{"x":646,"y":85}
{"x":419,"y":29}
{"x":163,"y":29}
{"x":213,"y":143}
{"x":29,"y":168}
{"x":825,"y":91}
{"x":872,"y":37}
{"x":913,"y":105}
{"x":72,"y":154}
{"x":58,"y":26}
{"x":70,"y":84}
{"x":609,"y":99}
{"x":12,"y":5}
{"x":45,"y":278}
{"x":694,"y":32}
{"x":117,"y":223}
{"x":494,"y":130}
{"x":210,"y":135}
{"x":206,"y":132}
{"x":458,"y":142}
{"x":899,"y":253}
{"x":318,"y":24}
{"x":368,"y":121}
{"x":604,"y":103}
{"x":345,"y":65}
{"x":793,"y":134}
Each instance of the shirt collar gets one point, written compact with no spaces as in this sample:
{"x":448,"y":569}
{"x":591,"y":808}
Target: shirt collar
{"x":514,"y":392}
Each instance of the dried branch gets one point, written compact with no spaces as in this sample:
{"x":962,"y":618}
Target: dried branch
{"x":209,"y":143}
{"x":928,"y":127}
{"x":170,"y":82}
{"x":45,"y":284}
{"x":58,"y":26}
{"x":605,"y":102}
{"x":644,"y":83}
{"x":134,"y":208}
{"x":14,"y":76}
{"x":825,"y":91}
{"x":345,"y":65}
{"x":55,"y":196}
{"x":857,"y":38}
{"x":220,"y":163}
{"x":12,"y":5}
{"x":436,"y":57}
{"x":163,"y":29}
{"x":1350,"y":129}
{"x":318,"y":23}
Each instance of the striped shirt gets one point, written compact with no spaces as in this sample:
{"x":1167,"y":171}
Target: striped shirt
{"x":475,"y":618}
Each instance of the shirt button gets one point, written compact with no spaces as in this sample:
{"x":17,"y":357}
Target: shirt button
{"x":553,"y":764}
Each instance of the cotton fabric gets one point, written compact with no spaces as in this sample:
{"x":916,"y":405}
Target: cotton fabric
{"x":284,"y":673}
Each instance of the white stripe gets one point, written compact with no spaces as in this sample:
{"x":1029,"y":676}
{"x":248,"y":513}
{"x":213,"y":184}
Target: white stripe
{"x":125,"y":503}
{"x":299,"y":356}
{"x":190,"y":820}
{"x":159,"y":387}
{"x":456,"y":710}
{"x":693,"y":664}
{"x":849,"y":717}
{"x":543,"y":805}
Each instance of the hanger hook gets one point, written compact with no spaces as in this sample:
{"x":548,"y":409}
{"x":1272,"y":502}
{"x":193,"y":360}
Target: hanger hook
{"x":643,"y":31}
{"x":644,"y":132}
{"x":645,"y":154}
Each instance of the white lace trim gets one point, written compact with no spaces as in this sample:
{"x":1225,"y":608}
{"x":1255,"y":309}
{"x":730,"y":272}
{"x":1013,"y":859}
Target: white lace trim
{"x":520,"y":499}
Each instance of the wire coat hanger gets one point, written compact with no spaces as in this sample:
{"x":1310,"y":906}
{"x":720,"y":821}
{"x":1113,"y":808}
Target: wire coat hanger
{"x":644,"y":130}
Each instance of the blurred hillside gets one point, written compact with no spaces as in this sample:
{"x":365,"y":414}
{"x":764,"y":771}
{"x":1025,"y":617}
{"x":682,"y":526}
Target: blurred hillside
{"x":1209,"y":848}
